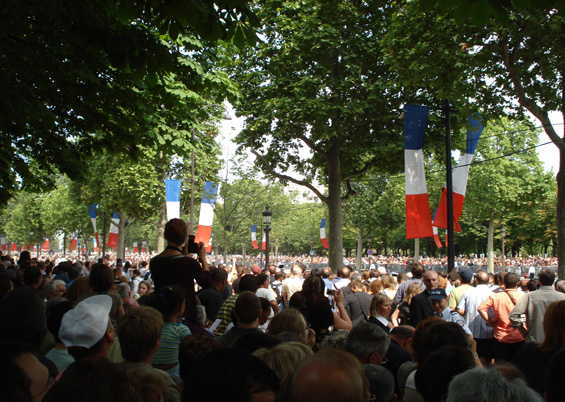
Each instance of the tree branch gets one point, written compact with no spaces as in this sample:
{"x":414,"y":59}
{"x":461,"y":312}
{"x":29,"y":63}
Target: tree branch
{"x":271,"y":171}
{"x":313,"y":147}
{"x":528,"y":103}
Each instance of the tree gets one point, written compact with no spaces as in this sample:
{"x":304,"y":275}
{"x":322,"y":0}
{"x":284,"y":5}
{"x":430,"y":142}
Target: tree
{"x":501,"y":68}
{"x":317,"y":81}
{"x":105,"y":75}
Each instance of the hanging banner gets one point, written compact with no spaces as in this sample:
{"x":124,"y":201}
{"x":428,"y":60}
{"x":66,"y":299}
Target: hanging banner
{"x":264,"y":242}
{"x":144,"y":245}
{"x":3,"y":243}
{"x":254,"y":236}
{"x":460,"y":175}
{"x":418,"y":216}
{"x":323,"y":238}
{"x":135,"y":248}
{"x":114,"y":230}
{"x":172,"y":193}
{"x":206,"y":219}
{"x":92,"y":213}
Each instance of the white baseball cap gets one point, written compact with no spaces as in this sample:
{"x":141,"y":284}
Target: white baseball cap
{"x":85,"y":325}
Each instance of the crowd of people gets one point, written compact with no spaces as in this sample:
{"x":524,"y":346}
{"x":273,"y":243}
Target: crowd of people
{"x":178,"y":328}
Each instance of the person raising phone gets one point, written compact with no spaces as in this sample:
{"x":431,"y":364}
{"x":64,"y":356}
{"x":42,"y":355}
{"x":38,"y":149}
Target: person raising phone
{"x":174,"y":267}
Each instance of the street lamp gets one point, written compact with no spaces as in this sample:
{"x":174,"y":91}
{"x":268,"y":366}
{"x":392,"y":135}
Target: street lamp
{"x":267,"y":215}
{"x":503,"y":235}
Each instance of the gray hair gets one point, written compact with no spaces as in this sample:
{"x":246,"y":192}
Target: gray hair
{"x":50,"y":287}
{"x":296,"y":270}
{"x":366,"y":338}
{"x":381,"y":382}
{"x":124,"y":290}
{"x":493,"y":387}
{"x":560,"y":285}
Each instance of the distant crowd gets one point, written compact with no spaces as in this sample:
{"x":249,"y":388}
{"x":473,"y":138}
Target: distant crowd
{"x":178,"y":327}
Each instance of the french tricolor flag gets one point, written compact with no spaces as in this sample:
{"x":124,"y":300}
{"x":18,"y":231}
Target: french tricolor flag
{"x":3,"y":243}
{"x":418,"y":216}
{"x":95,"y":244}
{"x":92,"y":212}
{"x":323,"y":234}
{"x":436,"y":233}
{"x":264,"y":242}
{"x":14,"y":247}
{"x":135,"y":248}
{"x":45,"y":245}
{"x":114,"y":230}
{"x":206,"y":219}
{"x":73,"y":244}
{"x":172,"y":192}
{"x":254,"y":236}
{"x":460,"y":175}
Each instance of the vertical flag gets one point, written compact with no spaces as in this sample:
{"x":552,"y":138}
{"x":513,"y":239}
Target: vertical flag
{"x":172,"y":192}
{"x":206,"y":214}
{"x":3,"y":243}
{"x":264,"y":242}
{"x":45,"y":245}
{"x":14,"y":247}
{"x":144,"y":244}
{"x":254,"y":236}
{"x":418,"y":217}
{"x":92,"y":212}
{"x":436,"y":234}
{"x":114,"y":230}
{"x":73,"y":244}
{"x":135,"y":248}
{"x":460,"y":175}
{"x":94,"y":244}
{"x":25,"y":247}
{"x":323,"y":234}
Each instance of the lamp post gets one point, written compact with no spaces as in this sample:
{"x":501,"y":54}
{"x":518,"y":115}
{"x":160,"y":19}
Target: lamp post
{"x":503,"y":235}
{"x":311,"y":252}
{"x":267,"y":215}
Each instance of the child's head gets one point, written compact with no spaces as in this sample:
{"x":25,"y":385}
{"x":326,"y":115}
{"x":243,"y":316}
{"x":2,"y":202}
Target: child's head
{"x":168,"y":300}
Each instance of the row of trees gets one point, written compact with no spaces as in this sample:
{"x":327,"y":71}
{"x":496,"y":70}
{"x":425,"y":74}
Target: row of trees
{"x":330,"y":76}
{"x":505,"y":189}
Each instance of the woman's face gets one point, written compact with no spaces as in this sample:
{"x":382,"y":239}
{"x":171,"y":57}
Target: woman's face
{"x":142,"y":290}
{"x":385,"y":309}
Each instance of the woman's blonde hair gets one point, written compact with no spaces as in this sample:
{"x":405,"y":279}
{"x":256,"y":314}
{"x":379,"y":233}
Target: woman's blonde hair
{"x":413,"y":290}
{"x":388,"y":281}
{"x":378,"y":301}
{"x":376,"y":286}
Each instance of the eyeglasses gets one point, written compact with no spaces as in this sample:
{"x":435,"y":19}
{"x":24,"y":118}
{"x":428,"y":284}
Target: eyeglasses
{"x":371,"y":398}
{"x":308,"y":326}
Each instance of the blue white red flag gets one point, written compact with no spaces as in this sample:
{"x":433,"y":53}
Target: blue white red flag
{"x":460,"y":175}
{"x":418,"y":216}
{"x":254,"y":236}
{"x":114,"y":230}
{"x":172,"y":192}
{"x":206,"y":219}
{"x":92,"y":212}
{"x":323,"y":238}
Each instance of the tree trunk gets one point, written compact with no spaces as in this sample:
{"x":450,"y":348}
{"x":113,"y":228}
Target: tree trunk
{"x":490,"y":244}
{"x":335,"y":238}
{"x":161,"y":228}
{"x":121,"y":248}
{"x":360,"y":250}
{"x":561,"y":215}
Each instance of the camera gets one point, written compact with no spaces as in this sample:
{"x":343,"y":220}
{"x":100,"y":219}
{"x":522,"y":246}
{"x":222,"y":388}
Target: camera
{"x":191,"y":246}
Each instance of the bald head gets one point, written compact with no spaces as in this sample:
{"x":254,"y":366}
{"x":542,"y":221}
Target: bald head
{"x":482,"y":278}
{"x":431,"y":280}
{"x":332,"y":375}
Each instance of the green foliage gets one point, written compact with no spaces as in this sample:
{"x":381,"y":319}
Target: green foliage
{"x":104,"y":75}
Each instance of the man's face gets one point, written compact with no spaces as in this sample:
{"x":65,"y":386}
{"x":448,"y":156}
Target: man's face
{"x":431,"y":280}
{"x":439,"y":305}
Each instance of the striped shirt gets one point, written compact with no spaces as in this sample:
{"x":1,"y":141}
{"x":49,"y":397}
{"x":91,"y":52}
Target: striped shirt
{"x":171,"y":336}
{"x":470,"y":301}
